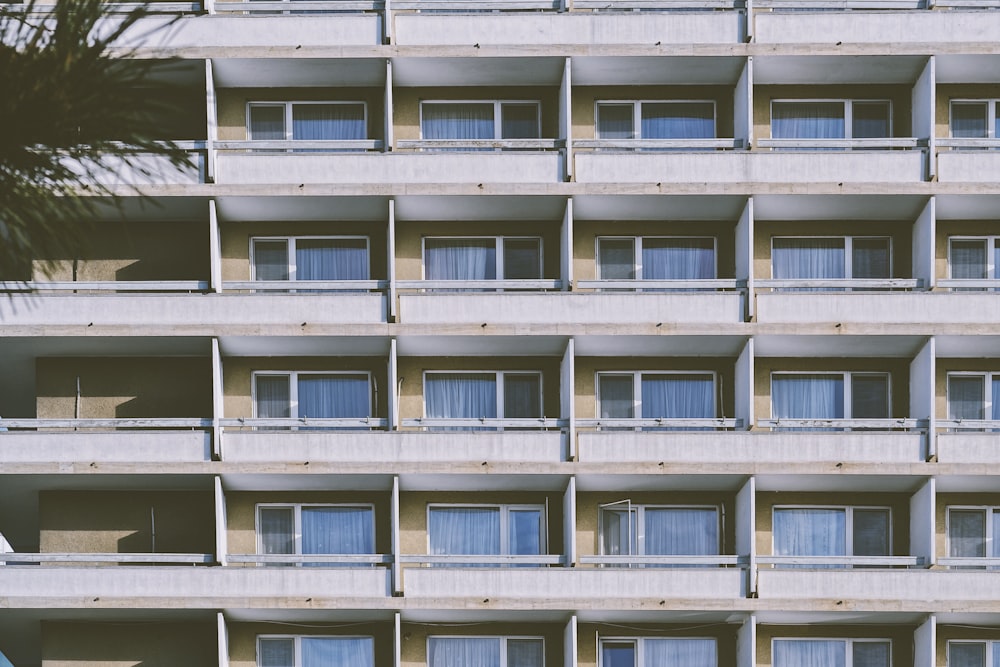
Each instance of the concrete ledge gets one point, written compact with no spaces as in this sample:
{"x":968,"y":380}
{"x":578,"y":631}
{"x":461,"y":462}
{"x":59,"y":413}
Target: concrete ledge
{"x":941,"y":588}
{"x":874,"y":27}
{"x":221,"y":31}
{"x":968,"y":447}
{"x":886,"y":308}
{"x":969,"y":166}
{"x":124,"y":447}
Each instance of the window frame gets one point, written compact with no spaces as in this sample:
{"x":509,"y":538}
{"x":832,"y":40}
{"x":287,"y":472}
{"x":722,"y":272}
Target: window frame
{"x":848,"y":250}
{"x":290,"y":248}
{"x":638,"y":642}
{"x":988,"y":536}
{"x":503,"y":644}
{"x":637,"y":115}
{"x":498,"y":379}
{"x":499,"y":251}
{"x":637,"y":388}
{"x":848,"y":523}
{"x":991,"y":645}
{"x":640,"y":527}
{"x":293,"y":388}
{"x":848,"y":402}
{"x":992,"y":245}
{"x":298,"y":645}
{"x":505,"y":509}
{"x":988,"y":398}
{"x":848,"y":114}
{"x":297,"y":523}
{"x":288,"y":106}
{"x":637,"y":242}
{"x":991,"y":115}
{"x":497,"y":114}
{"x":849,"y":641}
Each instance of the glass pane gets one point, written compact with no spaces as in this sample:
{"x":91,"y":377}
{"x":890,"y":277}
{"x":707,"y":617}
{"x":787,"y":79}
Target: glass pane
{"x":522,"y":259}
{"x":463,"y":652}
{"x":519,"y":121}
{"x":522,"y":395}
{"x":270,"y":260}
{"x":968,"y":120}
{"x":966,"y":654}
{"x":619,"y":535}
{"x":328,"y":121}
{"x":276,"y":653}
{"x":331,"y":259}
{"x":871,"y":654}
{"x":525,"y":532}
{"x":681,"y":531}
{"x":267,"y":123}
{"x":678,"y":120}
{"x":338,"y":652}
{"x":808,"y":258}
{"x":272,"y":397}
{"x":808,"y":396}
{"x":871,"y":532}
{"x":614,"y":121}
{"x":615,"y":393}
{"x":335,"y":396}
{"x":966,"y":397}
{"x":678,"y":396}
{"x":995,"y":544}
{"x":616,"y":259}
{"x":277,"y":530}
{"x":461,"y":395}
{"x":967,"y":259}
{"x":680,"y":653}
{"x":966,"y":533}
{"x":870,"y":258}
{"x":460,"y":259}
{"x":617,"y":654}
{"x":810,"y":532}
{"x":337,"y":530}
{"x":525,"y":653}
{"x":869,"y":396}
{"x":807,"y":120}
{"x":464,"y":530}
{"x":871,"y":120}
{"x":678,"y":259}
{"x":457,"y":121}
{"x":809,"y":653}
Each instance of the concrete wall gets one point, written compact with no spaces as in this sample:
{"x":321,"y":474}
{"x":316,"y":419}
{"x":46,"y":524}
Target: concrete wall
{"x":947,"y":92}
{"x":241,"y":514}
{"x":585,"y":98}
{"x":585,"y":393}
{"x":243,"y":638}
{"x":413,"y":651}
{"x":901,"y":636}
{"x":764,"y":94}
{"x":123,"y":387}
{"x":589,"y":635}
{"x":945,"y":366}
{"x":128,"y":644}
{"x":897,"y":503}
{"x":948,"y":228}
{"x":123,"y":521}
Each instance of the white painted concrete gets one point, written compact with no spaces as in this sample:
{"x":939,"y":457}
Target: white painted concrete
{"x":743,"y":447}
{"x":222,"y":31}
{"x":877,"y":27}
{"x":885,"y":308}
{"x":968,"y":166}
{"x":393,"y":447}
{"x":569,"y":28}
{"x":119,"y":447}
{"x":571,"y":308}
{"x":386,"y":168}
{"x":744,"y":166}
{"x":959,"y":447}
{"x":142,"y":170}
{"x":926,"y":587}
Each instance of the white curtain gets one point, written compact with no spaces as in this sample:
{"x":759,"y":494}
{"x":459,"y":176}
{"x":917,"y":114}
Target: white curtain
{"x":968,"y":654}
{"x":333,"y":396}
{"x":870,"y":258}
{"x":616,"y":393}
{"x":463,"y":652}
{"x":967,"y":533}
{"x":328,"y":121}
{"x":678,"y":120}
{"x":968,"y":120}
{"x":461,"y":395}
{"x":525,"y":653}
{"x":267,"y":122}
{"x":808,"y":258}
{"x":337,"y":530}
{"x":273,"y":397}
{"x":457,"y":120}
{"x":464,"y":530}
{"x":968,"y":259}
{"x":678,"y":259}
{"x":680,"y":531}
{"x":807,"y":120}
{"x":277,"y":530}
{"x":967,"y":397}
{"x":680,"y":653}
{"x":809,"y":532}
{"x":677,"y":396}
{"x":276,"y":653}
{"x":338,"y":652}
{"x":331,"y":259}
{"x":808,"y":396}
{"x":270,"y":260}
{"x":809,"y":653}
{"x":614,"y":121}
{"x":616,"y":259}
{"x":460,"y":259}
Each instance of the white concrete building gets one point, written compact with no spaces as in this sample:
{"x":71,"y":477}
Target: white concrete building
{"x":526,"y":333}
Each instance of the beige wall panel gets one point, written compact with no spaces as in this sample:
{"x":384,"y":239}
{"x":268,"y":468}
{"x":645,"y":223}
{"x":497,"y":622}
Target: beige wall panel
{"x":946,"y":92}
{"x":948,"y":228}
{"x":412,"y":369}
{"x":410,"y":236}
{"x":590,"y":634}
{"x":901,"y":636}
{"x":413,"y":651}
{"x":232,"y":105}
{"x":945,"y":366}
{"x":124,"y":387}
{"x":941,"y":505}
{"x":243,"y":638}
{"x":124,"y":644}
{"x":585,"y":98}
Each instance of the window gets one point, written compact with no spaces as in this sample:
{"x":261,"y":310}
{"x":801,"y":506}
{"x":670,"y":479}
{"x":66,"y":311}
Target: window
{"x":655,"y":395}
{"x":965,"y":653}
{"x":973,"y":395}
{"x":830,"y":395}
{"x":658,"y":530}
{"x":485,"y":652}
{"x":310,"y":258}
{"x":831,"y":119}
{"x":831,"y":653}
{"x":656,"y":120}
{"x":971,"y":532}
{"x":306,"y":121}
{"x":483,"y":395}
{"x":650,"y":652}
{"x":974,"y":258}
{"x":488,"y":119}
{"x":483,"y":258}
{"x":656,"y":258}
{"x":315,"y":651}
{"x":975,"y":119}
{"x":315,"y":529}
{"x":831,"y":258}
{"x":832,"y":531}
{"x":517,"y":530}
{"x":319,"y":395}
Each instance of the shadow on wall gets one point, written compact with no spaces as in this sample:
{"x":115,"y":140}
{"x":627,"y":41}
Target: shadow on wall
{"x":131,"y":644}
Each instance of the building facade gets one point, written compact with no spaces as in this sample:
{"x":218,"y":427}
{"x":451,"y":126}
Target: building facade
{"x":525,"y":333}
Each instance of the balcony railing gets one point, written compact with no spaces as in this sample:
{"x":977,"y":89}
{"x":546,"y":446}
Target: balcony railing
{"x":970,"y":144}
{"x":661,"y":423}
{"x":154,"y":423}
{"x":879,"y":144}
{"x":651,"y":144}
{"x":692,"y":561}
{"x":959,"y":284}
{"x":989,"y":563}
{"x":310,"y":7}
{"x":477,"y":5}
{"x":478,"y":285}
{"x":486,"y":423}
{"x":307,"y":424}
{"x":507,"y":560}
{"x":890,"y":424}
{"x":42,"y":286}
{"x":661,"y":285}
{"x":300,"y":146}
{"x":123,"y":7}
{"x":355,"y":560}
{"x":913,"y":562}
{"x":306,"y":286}
{"x":969,"y":424}
{"x":12,"y":558}
{"x":514,"y":145}
{"x":841,"y":284}
{"x":840,"y":5}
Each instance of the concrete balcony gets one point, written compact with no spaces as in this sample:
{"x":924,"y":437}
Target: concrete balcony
{"x":799,"y":166}
{"x":742,"y":447}
{"x":875,"y":307}
{"x":146,"y":169}
{"x":971,"y":166}
{"x":384,"y":447}
{"x":485,"y":166}
{"x":95,"y":446}
{"x":969,"y":447}
{"x":606,"y":307}
{"x":880,"y":25}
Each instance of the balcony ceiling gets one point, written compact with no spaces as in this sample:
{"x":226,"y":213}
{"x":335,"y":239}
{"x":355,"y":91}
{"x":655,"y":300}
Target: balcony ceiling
{"x":840,"y":483}
{"x":413,"y":72}
{"x":297,"y":72}
{"x":658,"y":207}
{"x":659,"y":346}
{"x":639,"y":70}
{"x":838,"y":207}
{"x":252,"y":209}
{"x":824,"y":70}
{"x":479,"y":208}
{"x":792,"y":345}
{"x":967,"y":207}
{"x":967,"y":68}
{"x":304,"y":346}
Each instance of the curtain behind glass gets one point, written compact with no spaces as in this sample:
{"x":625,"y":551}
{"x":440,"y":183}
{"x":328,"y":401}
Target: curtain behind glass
{"x":277,"y":530}
{"x":618,"y":654}
{"x":335,"y":396}
{"x":968,"y":120}
{"x":464,"y":530}
{"x":614,"y":121}
{"x":967,"y":654}
{"x":524,"y":532}
{"x":461,"y":395}
{"x":328,"y":121}
{"x":276,"y":653}
{"x":678,"y":396}
{"x":810,"y":532}
{"x":616,"y":396}
{"x":525,"y":653}
{"x":680,"y":653}
{"x":869,"y":396}
{"x":270,"y":260}
{"x":619,"y":534}
{"x":807,"y":120}
{"x":519,"y":121}
{"x":809,"y":653}
{"x":457,"y":121}
{"x":871,"y":532}
{"x":338,"y":652}
{"x":522,"y":259}
{"x":870,"y":120}
{"x":966,"y":397}
{"x":463,"y":652}
{"x":522,"y":395}
{"x":808,"y":396}
{"x":870,"y":258}
{"x":678,"y":120}
{"x":808,"y":258}
{"x":681,"y":531}
{"x":968,"y":259}
{"x":678,"y":259}
{"x":337,"y":530}
{"x":616,"y":259}
{"x":966,"y":533}
{"x":460,"y":259}
{"x":331,"y":259}
{"x":267,"y":122}
{"x":871,"y":654}
{"x":272,"y":397}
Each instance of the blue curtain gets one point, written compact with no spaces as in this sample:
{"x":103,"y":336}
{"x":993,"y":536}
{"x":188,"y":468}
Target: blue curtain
{"x":809,"y":653}
{"x":968,"y":259}
{"x":328,"y":121}
{"x":277,"y":530}
{"x":618,"y":654}
{"x":614,"y":121}
{"x":337,"y":530}
{"x":616,"y":259}
{"x":678,"y":120}
{"x":616,"y":393}
{"x":966,"y":397}
{"x":525,"y":532}
{"x":968,"y":120}
{"x":461,"y":395}
{"x":272,"y":397}
{"x":681,"y":531}
{"x":270,"y":260}
{"x":677,"y":396}
{"x":338,"y":652}
{"x":463,"y":652}
{"x":810,"y":532}
{"x":331,"y":259}
{"x":995,"y":410}
{"x":680,"y":653}
{"x":460,"y":259}
{"x":464,"y":530}
{"x":457,"y":120}
{"x":267,"y":122}
{"x":333,"y":396}
{"x":808,"y":258}
{"x":807,"y":120}
{"x":808,"y":396}
{"x":678,"y":259}
{"x":276,"y":653}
